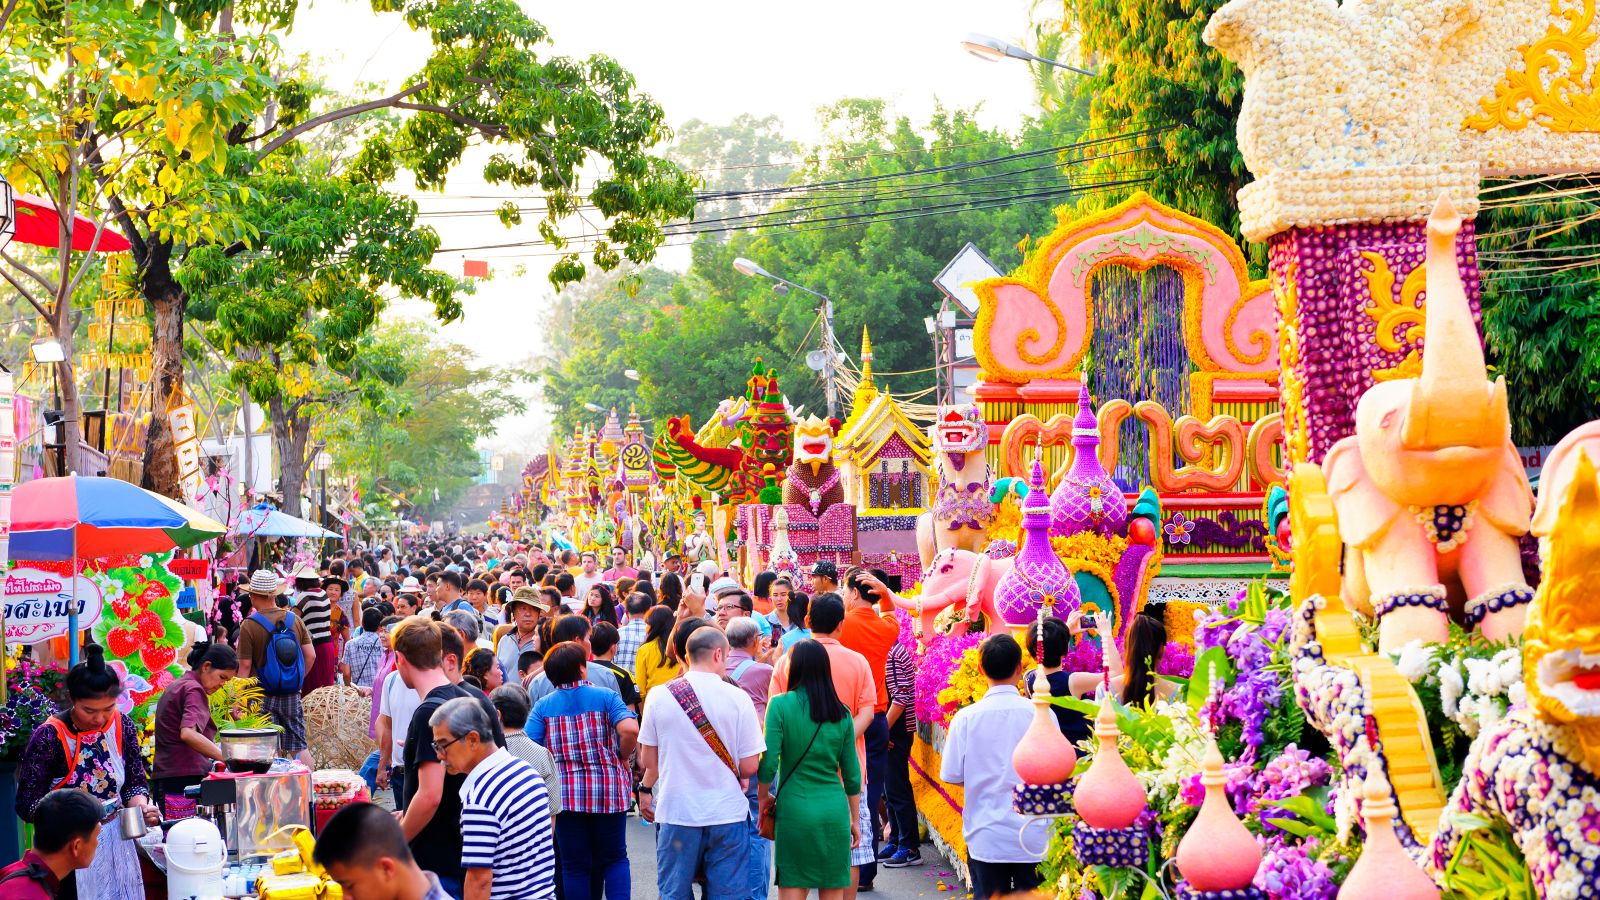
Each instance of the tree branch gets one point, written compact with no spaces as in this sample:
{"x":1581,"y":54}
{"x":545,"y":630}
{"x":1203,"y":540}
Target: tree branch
{"x":5,"y":14}
{"x":25,"y":269}
{"x":498,"y":131}
{"x":382,"y":103}
{"x":26,"y":294}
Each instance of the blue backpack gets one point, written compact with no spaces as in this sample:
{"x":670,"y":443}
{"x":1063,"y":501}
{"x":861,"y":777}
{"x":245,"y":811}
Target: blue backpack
{"x":285,"y":665}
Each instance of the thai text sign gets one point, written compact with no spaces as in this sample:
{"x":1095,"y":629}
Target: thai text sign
{"x":37,"y":604}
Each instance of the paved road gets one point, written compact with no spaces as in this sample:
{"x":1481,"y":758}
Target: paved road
{"x":891,"y":884}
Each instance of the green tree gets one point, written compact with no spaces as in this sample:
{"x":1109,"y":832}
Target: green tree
{"x":874,"y":250}
{"x":1541,"y":305}
{"x":102,"y":98}
{"x":485,"y":80}
{"x":291,"y":310}
{"x":1157,"y":75}
{"x":424,"y":438}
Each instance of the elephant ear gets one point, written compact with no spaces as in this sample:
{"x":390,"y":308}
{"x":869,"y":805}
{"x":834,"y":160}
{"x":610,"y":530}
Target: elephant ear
{"x":1365,"y":512}
{"x":1507,"y":504}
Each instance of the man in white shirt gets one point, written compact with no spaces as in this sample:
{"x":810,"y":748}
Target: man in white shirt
{"x":997,"y":862}
{"x":588,"y":578}
{"x":396,"y":706}
{"x":693,"y":791}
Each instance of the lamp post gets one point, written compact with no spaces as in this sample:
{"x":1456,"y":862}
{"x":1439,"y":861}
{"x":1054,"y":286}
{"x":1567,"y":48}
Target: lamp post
{"x":829,"y":362}
{"x":992,"y":49}
{"x":47,"y":351}
{"x":323,"y":462}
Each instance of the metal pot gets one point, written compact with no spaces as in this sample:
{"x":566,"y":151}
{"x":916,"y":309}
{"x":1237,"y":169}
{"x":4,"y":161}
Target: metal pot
{"x":130,"y":819}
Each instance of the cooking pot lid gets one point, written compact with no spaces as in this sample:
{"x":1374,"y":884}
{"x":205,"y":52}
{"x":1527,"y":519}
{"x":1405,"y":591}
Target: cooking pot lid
{"x":248,"y":733}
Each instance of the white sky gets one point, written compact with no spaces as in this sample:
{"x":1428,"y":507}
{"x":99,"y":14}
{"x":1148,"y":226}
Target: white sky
{"x":700,"y":59}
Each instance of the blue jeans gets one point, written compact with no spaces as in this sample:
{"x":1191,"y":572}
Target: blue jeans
{"x":723,"y":851}
{"x":592,"y":850}
{"x":760,"y":851}
{"x":877,"y":741}
{"x":369,"y":773}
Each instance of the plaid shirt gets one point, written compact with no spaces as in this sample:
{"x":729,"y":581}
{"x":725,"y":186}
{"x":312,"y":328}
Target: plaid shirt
{"x":629,"y":638}
{"x":901,"y":677}
{"x":577,"y":723}
{"x":362,"y":655}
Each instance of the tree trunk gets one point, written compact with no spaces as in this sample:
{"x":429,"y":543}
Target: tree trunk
{"x":167,"y":301}
{"x":291,"y":433}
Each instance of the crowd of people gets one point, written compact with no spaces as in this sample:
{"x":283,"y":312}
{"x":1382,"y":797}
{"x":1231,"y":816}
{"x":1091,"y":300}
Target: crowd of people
{"x":525,"y":703}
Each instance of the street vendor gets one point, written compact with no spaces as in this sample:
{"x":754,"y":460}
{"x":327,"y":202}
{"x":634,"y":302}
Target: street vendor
{"x":186,"y":735}
{"x":91,"y":746}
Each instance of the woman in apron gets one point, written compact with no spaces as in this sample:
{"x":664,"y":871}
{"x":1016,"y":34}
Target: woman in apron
{"x":92,"y":747}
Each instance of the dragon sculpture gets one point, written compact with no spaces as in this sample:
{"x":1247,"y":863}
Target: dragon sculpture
{"x":764,"y":436}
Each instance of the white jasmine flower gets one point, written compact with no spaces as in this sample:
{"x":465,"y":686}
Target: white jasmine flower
{"x":1450,"y":688}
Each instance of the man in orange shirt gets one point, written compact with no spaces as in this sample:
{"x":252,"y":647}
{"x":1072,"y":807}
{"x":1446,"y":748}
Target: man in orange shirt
{"x":872,"y":636}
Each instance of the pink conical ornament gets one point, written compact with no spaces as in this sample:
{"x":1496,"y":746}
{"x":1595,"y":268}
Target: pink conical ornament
{"x":1384,"y":868}
{"x":1087,"y":499}
{"x":1217,"y":853}
{"x":1044,"y":755}
{"x":1109,"y":795}
{"x":1038,"y":580}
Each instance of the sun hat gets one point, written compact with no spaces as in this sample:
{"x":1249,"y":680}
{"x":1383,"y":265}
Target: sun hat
{"x":411,"y":585}
{"x":265,"y":582}
{"x":307,"y":571}
{"x":529,"y":595}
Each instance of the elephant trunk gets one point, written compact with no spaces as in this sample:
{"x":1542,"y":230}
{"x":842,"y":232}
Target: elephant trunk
{"x":1451,"y":405}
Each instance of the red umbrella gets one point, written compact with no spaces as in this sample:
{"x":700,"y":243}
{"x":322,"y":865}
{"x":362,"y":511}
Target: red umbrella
{"x":38,"y":224}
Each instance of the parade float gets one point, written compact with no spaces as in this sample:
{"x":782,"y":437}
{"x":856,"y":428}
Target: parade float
{"x":1409,"y":713}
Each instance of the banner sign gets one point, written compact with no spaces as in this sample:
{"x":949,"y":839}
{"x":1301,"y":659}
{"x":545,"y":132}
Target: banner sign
{"x":190,"y":569}
{"x":37,"y":603}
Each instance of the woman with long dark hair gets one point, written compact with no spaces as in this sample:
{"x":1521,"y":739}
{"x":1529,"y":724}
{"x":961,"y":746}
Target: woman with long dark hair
{"x":671,"y":590}
{"x":600,"y":605}
{"x":653,"y":664}
{"x":186,"y":735}
{"x":1133,"y":670}
{"x":91,"y":746}
{"x":811,"y":752}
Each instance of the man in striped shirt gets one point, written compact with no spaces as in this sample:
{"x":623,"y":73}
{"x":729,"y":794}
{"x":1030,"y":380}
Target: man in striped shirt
{"x":507,"y":846}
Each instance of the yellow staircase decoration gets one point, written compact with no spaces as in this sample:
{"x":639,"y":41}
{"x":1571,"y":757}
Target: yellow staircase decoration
{"x":1402,"y":726}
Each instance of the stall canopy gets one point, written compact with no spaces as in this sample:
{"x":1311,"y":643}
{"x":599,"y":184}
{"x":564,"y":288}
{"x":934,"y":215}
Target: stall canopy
{"x":89,"y":518}
{"x":264,"y":521}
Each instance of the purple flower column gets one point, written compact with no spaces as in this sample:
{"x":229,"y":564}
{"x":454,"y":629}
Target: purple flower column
{"x":1328,"y":349}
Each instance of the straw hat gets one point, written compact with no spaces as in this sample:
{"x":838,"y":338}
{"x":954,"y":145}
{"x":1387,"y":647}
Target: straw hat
{"x":265,"y":582}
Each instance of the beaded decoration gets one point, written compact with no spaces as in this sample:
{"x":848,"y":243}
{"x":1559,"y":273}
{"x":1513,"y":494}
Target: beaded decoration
{"x":1498,"y":600}
{"x":1124,"y":847}
{"x":1432,"y":598}
{"x":1446,"y":525}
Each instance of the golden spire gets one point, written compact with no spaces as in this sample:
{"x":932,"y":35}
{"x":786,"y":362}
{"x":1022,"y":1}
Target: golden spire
{"x":866,"y":391}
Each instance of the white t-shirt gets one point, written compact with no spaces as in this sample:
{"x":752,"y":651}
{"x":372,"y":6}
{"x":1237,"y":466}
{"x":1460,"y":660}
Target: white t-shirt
{"x":695,"y":788}
{"x":399,"y":703}
{"x":581,"y":585}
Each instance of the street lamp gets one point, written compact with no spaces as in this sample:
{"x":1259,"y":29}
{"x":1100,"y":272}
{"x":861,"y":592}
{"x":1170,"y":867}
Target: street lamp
{"x":46,"y":350}
{"x":631,"y":374}
{"x":828,"y":367}
{"x":992,"y":49}
{"x":594,"y":408}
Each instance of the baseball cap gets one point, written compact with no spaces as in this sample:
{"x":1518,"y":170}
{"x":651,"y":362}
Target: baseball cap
{"x":721,"y":586}
{"x":826,"y":569}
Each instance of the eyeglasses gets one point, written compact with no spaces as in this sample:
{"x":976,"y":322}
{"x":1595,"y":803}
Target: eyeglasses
{"x":439,"y":748}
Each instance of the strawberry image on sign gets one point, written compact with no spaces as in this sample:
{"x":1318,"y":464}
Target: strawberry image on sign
{"x":149,"y":625}
{"x":121,"y":607}
{"x":157,"y":658}
{"x":123,"y":643}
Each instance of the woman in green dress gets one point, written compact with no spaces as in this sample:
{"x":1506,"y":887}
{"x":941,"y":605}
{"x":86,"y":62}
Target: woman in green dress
{"x":811,"y":750}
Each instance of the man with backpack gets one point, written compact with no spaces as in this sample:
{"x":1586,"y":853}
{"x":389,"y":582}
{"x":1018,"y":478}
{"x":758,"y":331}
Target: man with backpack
{"x":275,"y":648}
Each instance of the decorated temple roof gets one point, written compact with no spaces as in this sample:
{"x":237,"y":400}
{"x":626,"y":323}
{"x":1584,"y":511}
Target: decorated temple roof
{"x":875,"y":418}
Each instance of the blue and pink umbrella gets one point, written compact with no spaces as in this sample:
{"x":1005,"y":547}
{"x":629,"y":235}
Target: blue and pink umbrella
{"x":87,"y":518}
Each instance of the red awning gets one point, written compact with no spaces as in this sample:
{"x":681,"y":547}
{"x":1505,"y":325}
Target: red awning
{"x":38,"y":224}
